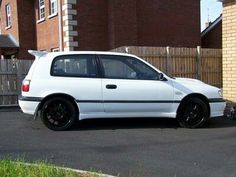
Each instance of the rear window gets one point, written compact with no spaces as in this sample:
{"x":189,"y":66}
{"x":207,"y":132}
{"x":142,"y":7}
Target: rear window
{"x":75,"y":66}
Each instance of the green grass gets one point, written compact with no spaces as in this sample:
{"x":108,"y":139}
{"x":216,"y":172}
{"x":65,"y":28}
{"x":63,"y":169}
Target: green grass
{"x":16,"y":168}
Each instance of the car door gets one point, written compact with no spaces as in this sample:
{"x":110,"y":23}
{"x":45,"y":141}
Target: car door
{"x":78,"y":76}
{"x":130,"y":86}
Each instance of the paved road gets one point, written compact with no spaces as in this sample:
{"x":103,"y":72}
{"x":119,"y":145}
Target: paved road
{"x":135,"y":148}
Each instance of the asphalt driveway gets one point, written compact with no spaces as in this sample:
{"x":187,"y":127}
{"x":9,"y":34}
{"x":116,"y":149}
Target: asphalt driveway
{"x":128,"y":147}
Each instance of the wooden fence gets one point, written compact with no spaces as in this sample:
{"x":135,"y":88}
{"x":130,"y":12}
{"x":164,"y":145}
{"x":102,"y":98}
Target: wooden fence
{"x":12,"y":72}
{"x":198,"y":63}
{"x":203,"y":64}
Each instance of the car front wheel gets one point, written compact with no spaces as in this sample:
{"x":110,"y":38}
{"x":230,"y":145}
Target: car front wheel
{"x":58,"y":114}
{"x":193,"y":113}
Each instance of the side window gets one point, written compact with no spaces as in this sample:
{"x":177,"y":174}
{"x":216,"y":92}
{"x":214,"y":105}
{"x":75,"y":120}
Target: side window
{"x":121,"y":67}
{"x":75,"y":66}
{"x":144,"y":72}
{"x":116,"y":68}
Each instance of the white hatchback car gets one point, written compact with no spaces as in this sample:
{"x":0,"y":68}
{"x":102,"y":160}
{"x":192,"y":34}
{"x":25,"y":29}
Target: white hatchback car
{"x":65,"y":86}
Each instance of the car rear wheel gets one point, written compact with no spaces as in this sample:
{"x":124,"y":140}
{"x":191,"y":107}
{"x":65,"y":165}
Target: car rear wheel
{"x":193,"y":113}
{"x":58,"y":114}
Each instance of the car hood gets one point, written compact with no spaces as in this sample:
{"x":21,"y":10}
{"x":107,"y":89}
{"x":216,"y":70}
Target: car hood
{"x":188,"y":80}
{"x":187,"y":86}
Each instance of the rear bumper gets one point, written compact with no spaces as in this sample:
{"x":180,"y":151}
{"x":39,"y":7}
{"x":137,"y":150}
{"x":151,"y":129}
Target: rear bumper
{"x":28,"y":107}
{"x":217,"y":108}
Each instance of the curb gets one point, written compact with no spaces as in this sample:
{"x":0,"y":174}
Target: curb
{"x":84,"y":172}
{"x":14,"y":107}
{"x":70,"y":169}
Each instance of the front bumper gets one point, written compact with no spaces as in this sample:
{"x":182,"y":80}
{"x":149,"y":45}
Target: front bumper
{"x":217,"y":108}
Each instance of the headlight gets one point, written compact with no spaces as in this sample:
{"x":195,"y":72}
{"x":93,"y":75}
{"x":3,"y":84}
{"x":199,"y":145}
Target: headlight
{"x":220,"y":93}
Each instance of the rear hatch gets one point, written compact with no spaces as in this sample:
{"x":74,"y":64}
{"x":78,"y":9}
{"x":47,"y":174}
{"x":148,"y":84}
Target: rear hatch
{"x":26,"y":82}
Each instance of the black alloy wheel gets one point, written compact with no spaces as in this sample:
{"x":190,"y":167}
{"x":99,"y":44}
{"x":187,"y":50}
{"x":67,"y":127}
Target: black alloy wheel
{"x":58,"y":114}
{"x":193,"y":114}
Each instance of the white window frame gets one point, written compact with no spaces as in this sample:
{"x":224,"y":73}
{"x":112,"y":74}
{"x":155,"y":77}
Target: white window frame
{"x":53,"y":8}
{"x":42,"y":10}
{"x":8,"y":16}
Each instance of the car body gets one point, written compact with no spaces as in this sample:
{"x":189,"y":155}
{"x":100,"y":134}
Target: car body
{"x":112,"y":85}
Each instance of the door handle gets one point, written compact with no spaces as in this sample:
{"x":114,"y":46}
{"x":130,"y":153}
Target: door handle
{"x":111,"y":86}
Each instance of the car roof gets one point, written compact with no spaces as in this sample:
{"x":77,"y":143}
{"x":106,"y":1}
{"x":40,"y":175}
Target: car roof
{"x":55,"y":54}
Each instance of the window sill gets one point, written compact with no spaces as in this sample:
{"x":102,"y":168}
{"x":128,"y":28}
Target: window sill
{"x":41,"y":20}
{"x":8,"y":27}
{"x":55,"y":50}
{"x":52,"y":15}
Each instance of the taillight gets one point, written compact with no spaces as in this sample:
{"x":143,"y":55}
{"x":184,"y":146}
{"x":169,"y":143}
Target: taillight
{"x":25,"y":86}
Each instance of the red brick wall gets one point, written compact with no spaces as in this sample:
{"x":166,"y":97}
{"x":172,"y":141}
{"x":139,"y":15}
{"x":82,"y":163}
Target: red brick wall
{"x":213,"y":39}
{"x":104,"y":25}
{"x":47,"y":32}
{"x":169,"y":23}
{"x":122,"y":23}
{"x":14,"y":14}
{"x":26,"y":22}
{"x":92,"y":24}
{"x":107,"y":24}
{"x":29,"y":33}
{"x":22,"y":25}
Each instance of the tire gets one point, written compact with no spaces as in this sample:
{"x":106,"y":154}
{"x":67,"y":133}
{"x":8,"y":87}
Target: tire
{"x":58,"y":114}
{"x":193,"y":113}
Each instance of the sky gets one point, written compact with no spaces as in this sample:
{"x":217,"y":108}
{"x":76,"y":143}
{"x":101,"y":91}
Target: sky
{"x":210,"y":9}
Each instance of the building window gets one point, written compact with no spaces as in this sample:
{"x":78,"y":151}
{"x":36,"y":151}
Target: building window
{"x":53,"y":7}
{"x":41,"y":9}
{"x":8,"y":15}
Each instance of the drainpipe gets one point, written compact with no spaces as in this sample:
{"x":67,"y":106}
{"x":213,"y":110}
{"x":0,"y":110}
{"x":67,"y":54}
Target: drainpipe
{"x":59,"y":26}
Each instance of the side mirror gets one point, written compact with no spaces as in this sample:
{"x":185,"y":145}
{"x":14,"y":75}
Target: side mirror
{"x":161,"y":77}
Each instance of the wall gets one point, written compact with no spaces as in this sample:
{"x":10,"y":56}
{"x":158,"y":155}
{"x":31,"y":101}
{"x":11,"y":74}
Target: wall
{"x":14,"y":30}
{"x":107,"y":24}
{"x":213,"y":39}
{"x":23,"y":26}
{"x":168,"y":23}
{"x":26,"y":22}
{"x":229,"y":50}
{"x":47,"y":31}
{"x":93,"y":25}
{"x":122,"y":21}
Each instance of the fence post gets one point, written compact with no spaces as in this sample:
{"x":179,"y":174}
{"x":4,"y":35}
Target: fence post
{"x":168,"y":60}
{"x":199,"y":63}
{"x":19,"y":75}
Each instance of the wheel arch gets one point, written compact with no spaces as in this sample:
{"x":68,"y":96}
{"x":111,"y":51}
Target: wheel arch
{"x":194,"y":95}
{"x":63,"y":95}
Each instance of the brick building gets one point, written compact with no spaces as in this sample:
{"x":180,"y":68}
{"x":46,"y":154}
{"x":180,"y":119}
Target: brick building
{"x":17,"y":19}
{"x":100,"y":25}
{"x":8,"y":46}
{"x":211,"y":37}
{"x":229,"y":50}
